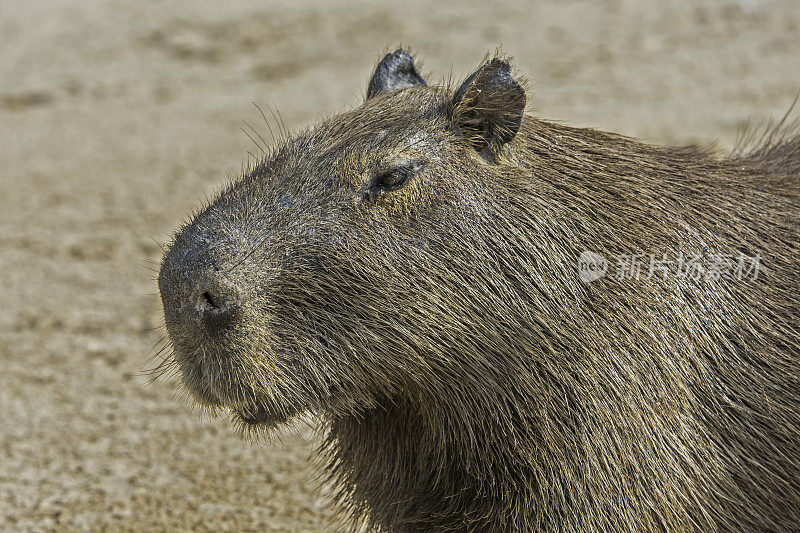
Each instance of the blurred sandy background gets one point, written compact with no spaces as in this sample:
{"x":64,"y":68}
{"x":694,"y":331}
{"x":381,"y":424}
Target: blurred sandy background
{"x":116,"y":118}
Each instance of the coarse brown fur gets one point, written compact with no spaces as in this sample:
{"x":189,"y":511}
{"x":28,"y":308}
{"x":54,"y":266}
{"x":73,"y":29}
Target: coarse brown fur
{"x":467,"y":379}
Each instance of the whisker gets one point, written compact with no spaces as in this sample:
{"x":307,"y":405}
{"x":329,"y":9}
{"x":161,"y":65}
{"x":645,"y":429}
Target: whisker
{"x":253,"y":140}
{"x":266,"y":121}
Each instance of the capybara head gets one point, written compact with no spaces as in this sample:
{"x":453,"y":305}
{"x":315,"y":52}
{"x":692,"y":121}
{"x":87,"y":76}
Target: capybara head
{"x":409,"y":270}
{"x":326,"y":278}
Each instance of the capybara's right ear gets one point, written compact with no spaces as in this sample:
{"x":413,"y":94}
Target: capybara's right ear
{"x":488,"y":107}
{"x":395,"y":71}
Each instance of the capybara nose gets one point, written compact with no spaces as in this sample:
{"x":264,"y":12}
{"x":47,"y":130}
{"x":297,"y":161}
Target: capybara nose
{"x":217,"y":306}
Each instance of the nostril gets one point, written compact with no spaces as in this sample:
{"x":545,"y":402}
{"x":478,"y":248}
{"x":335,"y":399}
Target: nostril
{"x":217,"y":310}
{"x":209,"y":299}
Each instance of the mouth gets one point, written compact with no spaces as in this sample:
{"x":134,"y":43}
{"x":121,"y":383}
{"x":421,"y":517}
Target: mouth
{"x":255,"y":414}
{"x":252,"y":415}
{"x":259,"y":416}
{"x":222,"y":379}
{"x":202,"y":382}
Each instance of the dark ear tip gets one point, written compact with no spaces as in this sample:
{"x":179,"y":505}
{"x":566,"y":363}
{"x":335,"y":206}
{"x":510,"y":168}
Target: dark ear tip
{"x":500,"y":68}
{"x":497,"y":62}
{"x":400,"y":55}
{"x":493,"y":67}
{"x":494,"y":73}
{"x":395,"y":71}
{"x":398,"y":61}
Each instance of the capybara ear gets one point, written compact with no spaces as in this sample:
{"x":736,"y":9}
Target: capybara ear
{"x":487,"y":109}
{"x":395,"y":71}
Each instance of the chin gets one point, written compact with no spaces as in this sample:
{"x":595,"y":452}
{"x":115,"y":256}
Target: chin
{"x":252,"y":403}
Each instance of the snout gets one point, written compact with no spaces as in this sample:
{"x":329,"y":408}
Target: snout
{"x":199,"y":298}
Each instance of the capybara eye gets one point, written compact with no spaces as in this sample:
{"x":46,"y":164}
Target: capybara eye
{"x":396,"y":177}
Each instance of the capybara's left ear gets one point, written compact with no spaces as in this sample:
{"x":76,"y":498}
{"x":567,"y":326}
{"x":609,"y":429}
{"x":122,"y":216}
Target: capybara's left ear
{"x":395,"y":71}
{"x":488,"y":107}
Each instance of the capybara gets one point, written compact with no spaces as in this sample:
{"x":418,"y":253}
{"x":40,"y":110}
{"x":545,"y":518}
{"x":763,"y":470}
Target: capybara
{"x":506,"y":324}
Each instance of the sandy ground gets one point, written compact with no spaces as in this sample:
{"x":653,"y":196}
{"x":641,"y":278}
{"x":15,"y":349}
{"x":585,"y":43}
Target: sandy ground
{"x":116,"y":118}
